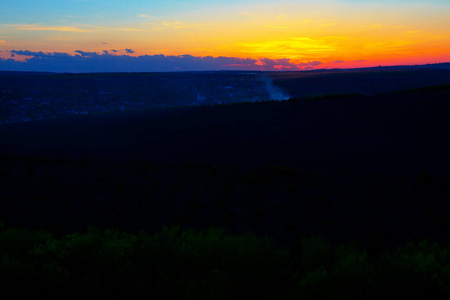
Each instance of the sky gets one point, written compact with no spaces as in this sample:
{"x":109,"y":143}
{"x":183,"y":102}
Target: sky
{"x":178,"y":35}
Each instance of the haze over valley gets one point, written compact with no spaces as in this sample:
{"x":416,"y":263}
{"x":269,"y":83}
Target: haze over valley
{"x":34,"y":96}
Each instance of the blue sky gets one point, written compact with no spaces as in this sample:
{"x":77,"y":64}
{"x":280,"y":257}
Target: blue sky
{"x":356,"y":33}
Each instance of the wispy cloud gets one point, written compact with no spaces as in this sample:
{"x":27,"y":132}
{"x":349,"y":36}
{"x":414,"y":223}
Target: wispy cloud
{"x":393,"y":47}
{"x":175,"y":24}
{"x":385,"y":26}
{"x":146,"y":16}
{"x":130,"y":29}
{"x":79,"y":28}
{"x":39,"y":27}
{"x":293,"y":47}
{"x":104,"y":28}
{"x":172,"y":25}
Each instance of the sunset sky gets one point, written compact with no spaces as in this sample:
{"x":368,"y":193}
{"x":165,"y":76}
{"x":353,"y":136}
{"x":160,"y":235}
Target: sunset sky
{"x":170,"y":35}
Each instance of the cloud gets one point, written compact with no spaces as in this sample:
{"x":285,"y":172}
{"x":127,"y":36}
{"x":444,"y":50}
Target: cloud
{"x":286,"y":64}
{"x":338,"y":61}
{"x":39,"y":55}
{"x":293,"y":47}
{"x":277,"y":64}
{"x":38,"y":27}
{"x":86,"y":54}
{"x":385,"y":26}
{"x":179,"y":25}
{"x":310,"y":64}
{"x":111,"y":61}
{"x":145,"y":16}
{"x":125,"y":29}
{"x":81,"y":28}
{"x":160,"y":25}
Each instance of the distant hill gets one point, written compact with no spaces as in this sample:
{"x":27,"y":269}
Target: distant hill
{"x":439,"y":66}
{"x":26,"y":96}
{"x":23,"y":73}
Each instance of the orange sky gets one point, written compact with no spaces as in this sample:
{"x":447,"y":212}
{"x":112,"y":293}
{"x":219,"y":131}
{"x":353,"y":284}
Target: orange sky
{"x":347,"y":33}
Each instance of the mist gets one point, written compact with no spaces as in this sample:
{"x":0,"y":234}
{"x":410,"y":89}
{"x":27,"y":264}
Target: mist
{"x":275,"y":92}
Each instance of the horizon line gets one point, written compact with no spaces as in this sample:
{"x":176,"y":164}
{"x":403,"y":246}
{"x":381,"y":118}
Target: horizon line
{"x":240,"y":71}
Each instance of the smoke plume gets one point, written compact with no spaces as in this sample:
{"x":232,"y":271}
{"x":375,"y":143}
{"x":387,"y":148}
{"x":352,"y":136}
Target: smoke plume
{"x":275,"y":93}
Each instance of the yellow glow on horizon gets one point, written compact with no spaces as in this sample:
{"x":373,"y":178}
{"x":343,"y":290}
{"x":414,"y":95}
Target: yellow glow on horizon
{"x":296,"y":47}
{"x":303,"y":34}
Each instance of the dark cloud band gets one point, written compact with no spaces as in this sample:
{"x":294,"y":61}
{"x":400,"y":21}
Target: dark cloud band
{"x":111,"y":62}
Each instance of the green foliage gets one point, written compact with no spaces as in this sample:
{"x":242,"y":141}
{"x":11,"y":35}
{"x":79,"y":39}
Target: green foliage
{"x":316,"y":252}
{"x":16,"y":241}
{"x":352,"y":273}
{"x":351,"y":261}
{"x":343,"y":271}
{"x":424,"y":266}
{"x":328,"y":271}
{"x":204,"y":262}
{"x":211,"y":263}
{"x":314,"y":278}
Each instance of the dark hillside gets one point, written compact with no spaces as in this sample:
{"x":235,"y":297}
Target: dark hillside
{"x":367,"y":82}
{"x":370,"y":168}
{"x":393,"y":133}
